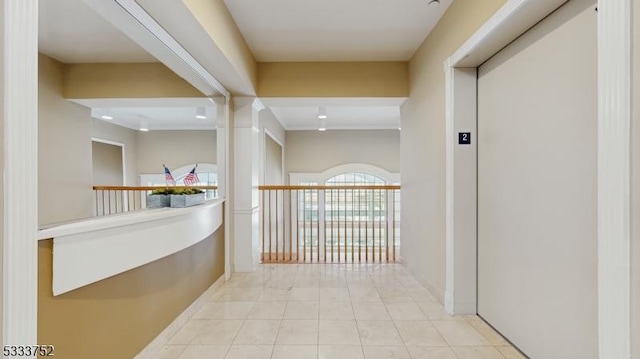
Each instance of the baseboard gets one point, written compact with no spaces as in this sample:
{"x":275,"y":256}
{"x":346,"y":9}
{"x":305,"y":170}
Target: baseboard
{"x":465,"y":309}
{"x":149,"y":352}
{"x":449,"y":305}
{"x":439,"y":296}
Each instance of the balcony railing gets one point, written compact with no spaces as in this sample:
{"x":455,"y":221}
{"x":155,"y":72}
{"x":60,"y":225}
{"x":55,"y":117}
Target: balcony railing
{"x":120,"y":199}
{"x":330,"y":224}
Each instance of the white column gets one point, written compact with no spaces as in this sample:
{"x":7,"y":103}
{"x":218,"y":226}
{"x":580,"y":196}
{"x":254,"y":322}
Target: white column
{"x":614,"y":173}
{"x":246,"y":167}
{"x":221,"y":144}
{"x":461,"y":191}
{"x":222,"y":163}
{"x":20,"y":255}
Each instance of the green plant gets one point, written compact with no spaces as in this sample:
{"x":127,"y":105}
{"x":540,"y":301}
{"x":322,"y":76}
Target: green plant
{"x":186,"y":191}
{"x":162,"y":191}
{"x":176,"y":191}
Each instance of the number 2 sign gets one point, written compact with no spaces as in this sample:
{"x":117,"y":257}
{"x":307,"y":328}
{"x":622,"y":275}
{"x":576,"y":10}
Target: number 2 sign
{"x":464,"y":138}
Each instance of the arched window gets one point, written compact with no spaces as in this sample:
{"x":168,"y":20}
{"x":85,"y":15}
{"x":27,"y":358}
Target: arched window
{"x":369,"y":210}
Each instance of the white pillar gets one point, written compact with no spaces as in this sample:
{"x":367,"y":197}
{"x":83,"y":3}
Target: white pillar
{"x":20,"y":173}
{"x":246,"y":167}
{"x":614,"y":173}
{"x":222,"y":164}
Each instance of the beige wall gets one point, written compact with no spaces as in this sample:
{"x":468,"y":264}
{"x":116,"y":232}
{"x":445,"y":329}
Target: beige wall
{"x":216,"y":20}
{"x":107,"y":164}
{"x":537,"y":192}
{"x":64,"y":150}
{"x":333,"y":79}
{"x":635,"y":224}
{"x":117,"y":317}
{"x":422,"y":146}
{"x":315,"y":151}
{"x":126,"y":136}
{"x":175,"y":149}
{"x":133,"y":80}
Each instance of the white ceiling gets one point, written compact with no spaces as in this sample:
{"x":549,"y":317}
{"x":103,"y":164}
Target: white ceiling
{"x":72,"y":32}
{"x":342,"y":113}
{"x":335,"y":30}
{"x":318,"y":30}
{"x":155,"y":114}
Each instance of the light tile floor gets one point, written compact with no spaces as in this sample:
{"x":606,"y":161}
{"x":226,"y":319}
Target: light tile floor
{"x":331,"y":311}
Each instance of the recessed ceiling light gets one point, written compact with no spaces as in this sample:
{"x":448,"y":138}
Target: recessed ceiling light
{"x":434,"y":2}
{"x":323,"y":125}
{"x":200,"y":113}
{"x":105,"y":117}
{"x":144,"y":125}
{"x":322,"y":113}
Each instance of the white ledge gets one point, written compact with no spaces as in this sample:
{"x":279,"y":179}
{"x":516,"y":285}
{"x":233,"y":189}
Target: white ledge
{"x":100,"y":223}
{"x":88,"y":251}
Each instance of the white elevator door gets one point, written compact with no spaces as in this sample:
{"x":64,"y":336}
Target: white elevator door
{"x":537,"y":187}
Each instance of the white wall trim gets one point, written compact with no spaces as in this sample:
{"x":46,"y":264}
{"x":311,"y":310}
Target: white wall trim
{"x":151,"y":350}
{"x":247,"y":211}
{"x":614,"y":178}
{"x":449,"y":188}
{"x":20,"y":256}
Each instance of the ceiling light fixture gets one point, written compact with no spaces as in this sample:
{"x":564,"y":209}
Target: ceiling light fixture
{"x":106,"y":115}
{"x":322,"y":113}
{"x":200,"y":113}
{"x":434,"y":2}
{"x":323,"y":125}
{"x":144,"y":126}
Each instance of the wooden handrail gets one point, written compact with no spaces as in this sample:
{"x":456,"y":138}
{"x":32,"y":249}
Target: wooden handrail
{"x":145,"y":188}
{"x":324,"y":187}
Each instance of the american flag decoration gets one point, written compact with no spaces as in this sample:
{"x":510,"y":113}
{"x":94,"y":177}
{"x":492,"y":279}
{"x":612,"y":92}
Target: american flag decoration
{"x":191,"y":178}
{"x":168,"y":177}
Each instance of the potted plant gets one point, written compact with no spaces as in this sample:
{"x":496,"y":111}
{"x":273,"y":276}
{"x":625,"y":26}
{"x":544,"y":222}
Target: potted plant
{"x":159,"y":198}
{"x":186,"y":197}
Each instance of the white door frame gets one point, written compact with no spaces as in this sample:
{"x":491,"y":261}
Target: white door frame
{"x":614,"y":152}
{"x":122,"y":148}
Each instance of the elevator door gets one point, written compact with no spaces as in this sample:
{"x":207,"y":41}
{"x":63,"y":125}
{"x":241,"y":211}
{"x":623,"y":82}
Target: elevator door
{"x":537,"y":187}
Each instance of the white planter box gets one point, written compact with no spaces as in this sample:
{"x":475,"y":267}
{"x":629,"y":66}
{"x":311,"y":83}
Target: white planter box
{"x":181,"y":201}
{"x":158,"y":200}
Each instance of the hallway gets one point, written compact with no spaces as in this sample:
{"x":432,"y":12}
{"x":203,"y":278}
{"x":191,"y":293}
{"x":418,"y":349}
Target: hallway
{"x":340,"y":311}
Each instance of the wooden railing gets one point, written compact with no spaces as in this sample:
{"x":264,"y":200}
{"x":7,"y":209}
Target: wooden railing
{"x":330,"y":224}
{"x":121,"y":199}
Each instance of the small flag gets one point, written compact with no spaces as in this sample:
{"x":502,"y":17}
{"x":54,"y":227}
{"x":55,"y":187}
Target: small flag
{"x":167,"y":176}
{"x":191,"y":178}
